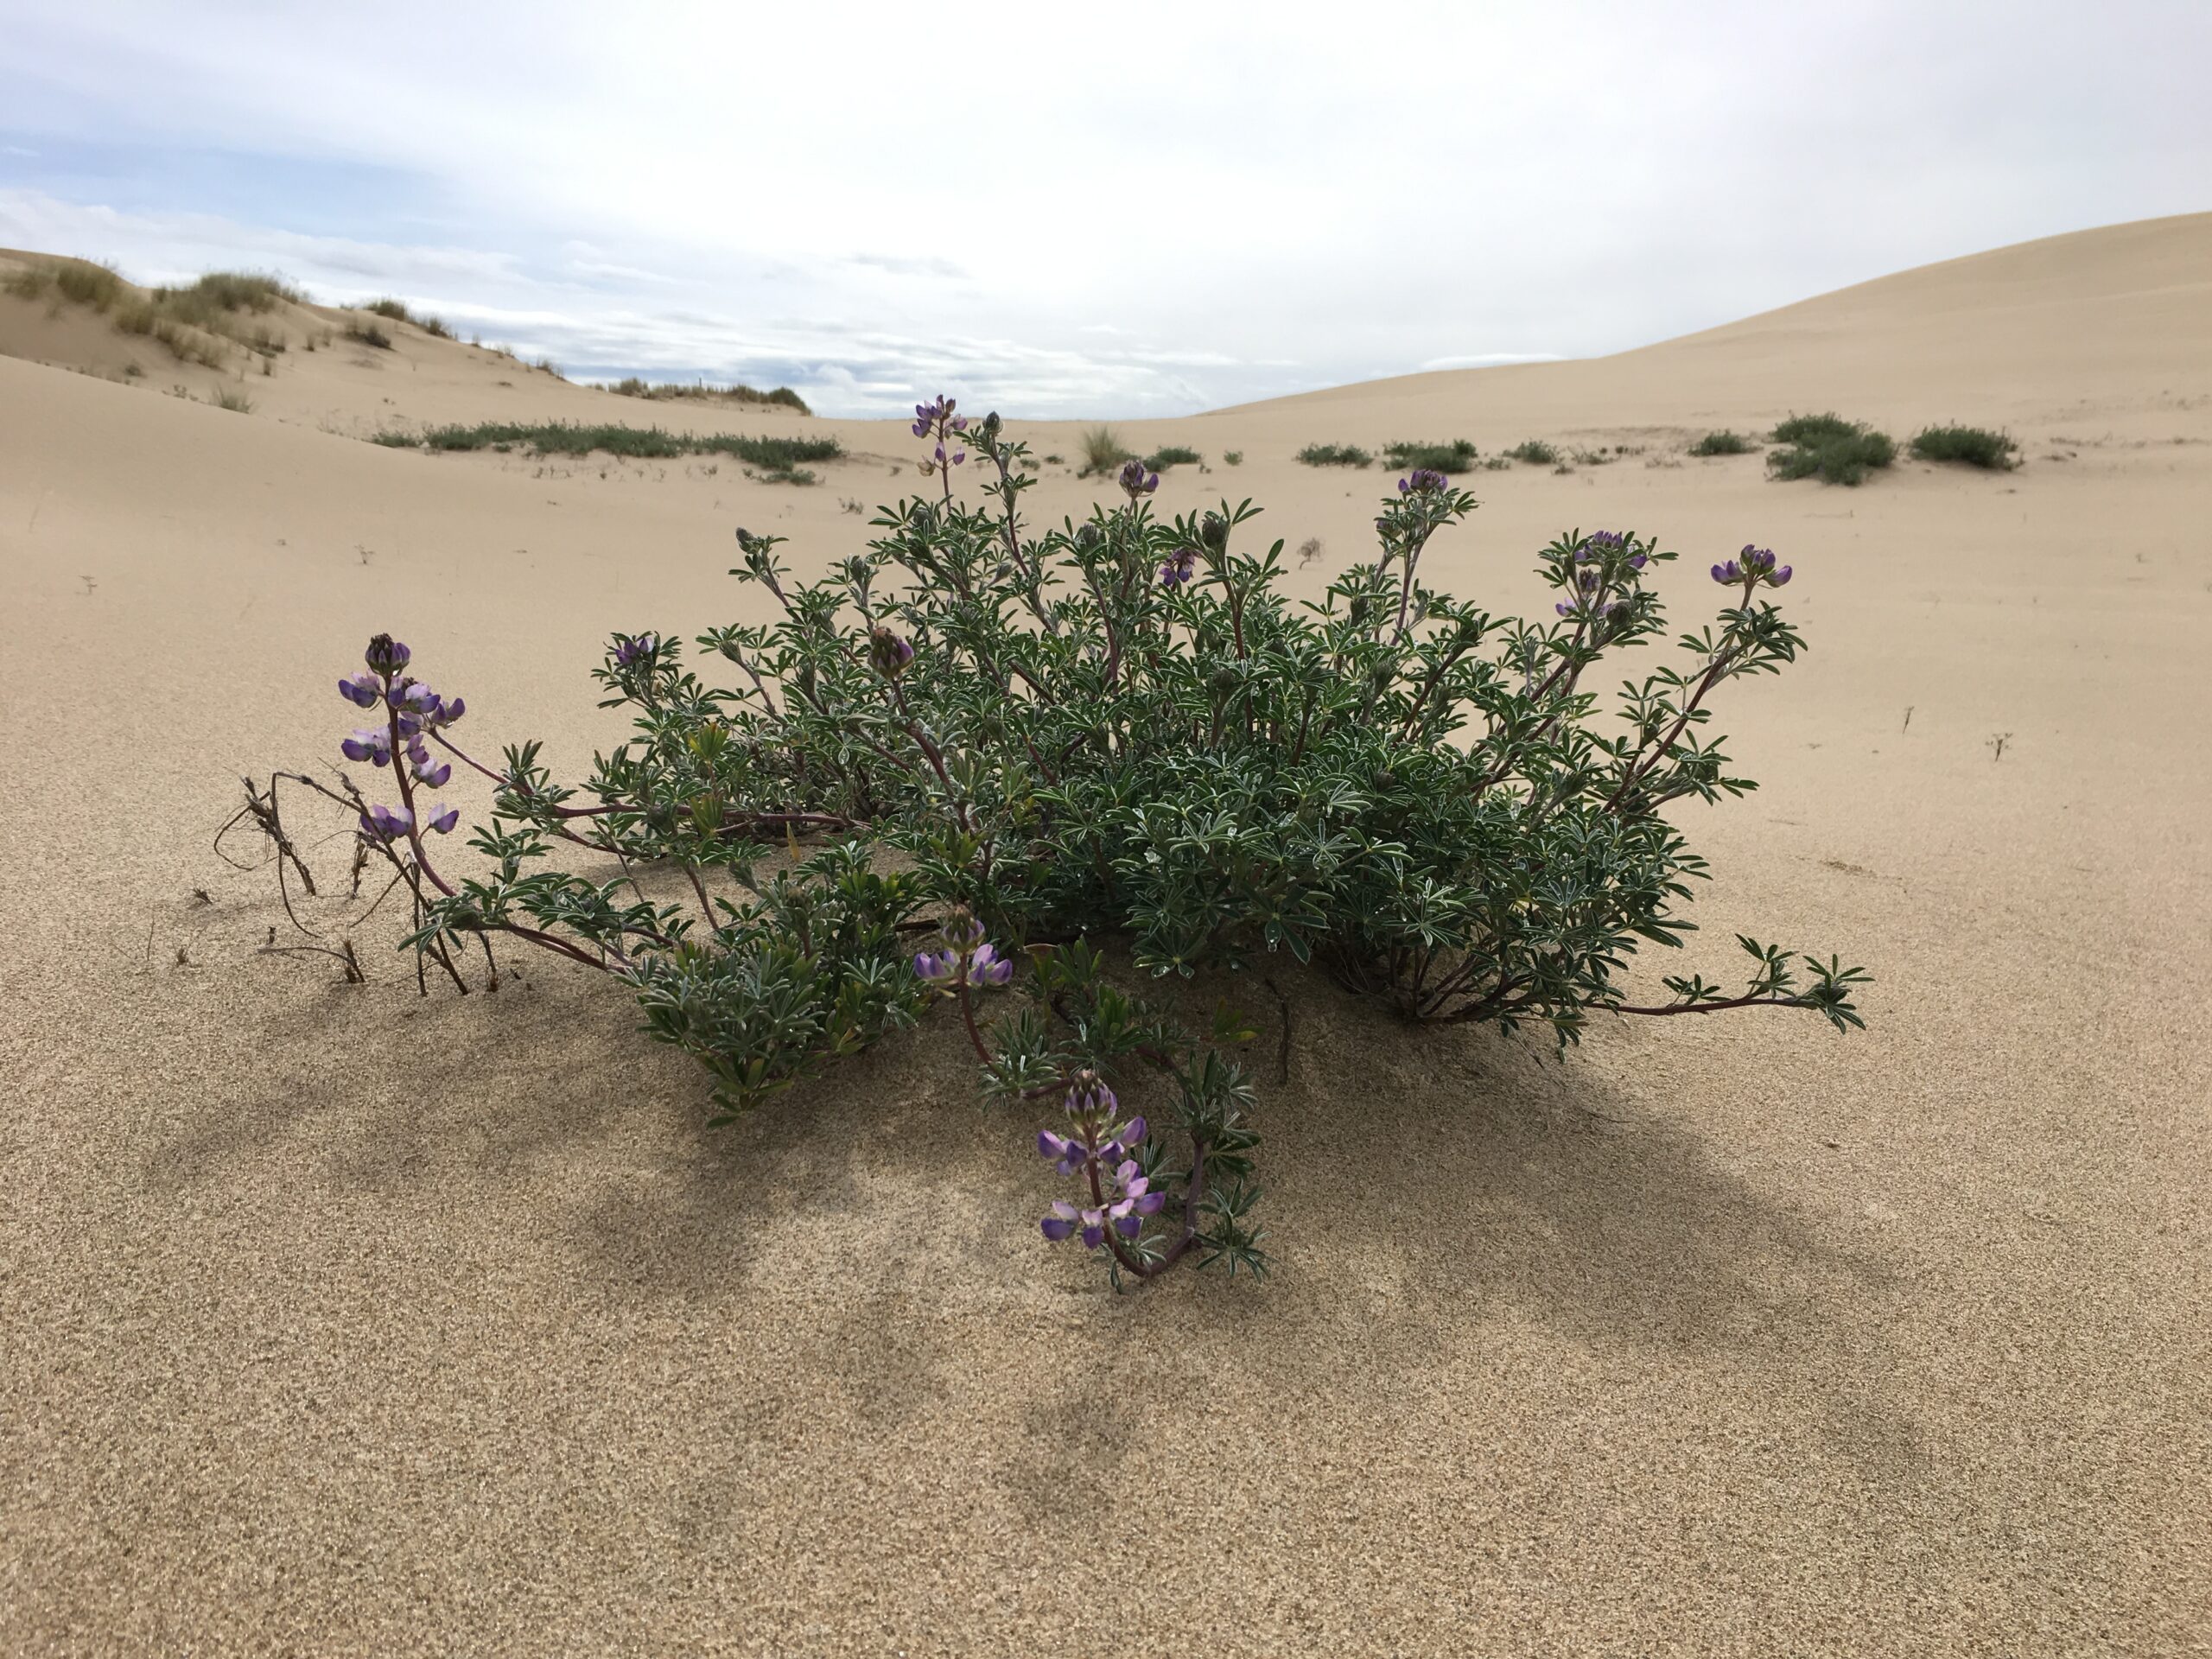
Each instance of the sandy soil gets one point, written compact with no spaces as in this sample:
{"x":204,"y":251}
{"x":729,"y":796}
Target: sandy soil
{"x":342,"y":1321}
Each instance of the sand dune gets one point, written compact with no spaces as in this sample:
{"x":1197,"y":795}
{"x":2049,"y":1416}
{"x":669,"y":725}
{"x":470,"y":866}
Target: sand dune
{"x":342,"y":1321}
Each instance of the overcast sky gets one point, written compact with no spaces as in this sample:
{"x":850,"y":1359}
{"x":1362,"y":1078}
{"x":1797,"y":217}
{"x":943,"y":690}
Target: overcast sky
{"x":1096,"y":210}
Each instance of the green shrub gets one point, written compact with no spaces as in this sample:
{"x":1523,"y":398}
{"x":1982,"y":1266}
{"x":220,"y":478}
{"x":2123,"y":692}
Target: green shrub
{"x":1970,"y":444}
{"x":1103,"y":451}
{"x":1815,"y":429}
{"x":1173,"y":455}
{"x":1722,"y":443}
{"x":1234,"y":457}
{"x":1054,"y":764}
{"x":1830,"y":447}
{"x":1536,"y":452}
{"x":1335,"y":454}
{"x":29,"y":283}
{"x":395,"y":310}
{"x":367,"y":333}
{"x":397,"y":440}
{"x":1457,"y":456}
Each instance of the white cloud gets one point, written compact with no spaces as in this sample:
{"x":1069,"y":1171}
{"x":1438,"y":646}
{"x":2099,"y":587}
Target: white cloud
{"x":1263,"y":204}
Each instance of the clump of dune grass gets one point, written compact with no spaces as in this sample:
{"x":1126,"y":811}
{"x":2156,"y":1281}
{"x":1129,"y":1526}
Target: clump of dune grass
{"x":87,"y":284}
{"x":779,"y":458}
{"x":658,"y":392}
{"x":398,"y":311}
{"x":1103,"y":451}
{"x":1830,"y":447}
{"x":185,"y":342}
{"x":367,"y":333}
{"x":1723,"y":442}
{"x":1335,"y":454}
{"x":1536,"y":452}
{"x":1233,"y":457}
{"x":1973,"y":445}
{"x":1457,"y":456}
{"x":27,"y":283}
{"x":237,"y":402}
{"x":228,"y":290}
{"x":1172,"y":454}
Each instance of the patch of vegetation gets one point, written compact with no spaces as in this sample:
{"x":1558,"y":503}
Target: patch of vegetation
{"x":229,"y":291}
{"x":740,"y":393}
{"x":1973,"y":445}
{"x":1045,"y":769}
{"x":1814,"y":429}
{"x":1828,"y":447}
{"x":27,"y":283}
{"x":398,"y":440}
{"x":1335,"y":454}
{"x":1536,"y":452}
{"x":87,"y":284}
{"x":1723,"y":443}
{"x":1173,"y":455}
{"x":183,"y":341}
{"x":367,"y":333}
{"x":237,"y":402}
{"x":1457,"y":456}
{"x":774,"y":456}
{"x":1103,"y":451}
{"x":1233,"y":457}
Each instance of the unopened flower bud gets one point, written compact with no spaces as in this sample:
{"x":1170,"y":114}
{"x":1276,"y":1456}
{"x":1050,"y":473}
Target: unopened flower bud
{"x":889,"y":653}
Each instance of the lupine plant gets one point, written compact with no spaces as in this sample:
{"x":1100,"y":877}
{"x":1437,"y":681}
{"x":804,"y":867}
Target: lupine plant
{"x":987,"y":760}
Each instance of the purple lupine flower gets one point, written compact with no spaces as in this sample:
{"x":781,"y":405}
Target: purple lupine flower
{"x":373,"y":746}
{"x":386,"y":823}
{"x":1423,"y":481}
{"x":1728,"y":573}
{"x":363,"y":689}
{"x":1064,"y":1152}
{"x":1135,"y":481}
{"x":1061,"y":1223}
{"x":1605,"y":541}
{"x":450,"y":710}
{"x":889,"y":653}
{"x":415,"y":697}
{"x":631,"y":649}
{"x":937,"y":967}
{"x":386,"y":655}
{"x":1564,"y":608}
{"x":1180,"y":567}
{"x":1637,"y":561}
{"x":433,"y":773}
{"x":1781,"y":578}
{"x":986,"y":967}
{"x":443,"y":818}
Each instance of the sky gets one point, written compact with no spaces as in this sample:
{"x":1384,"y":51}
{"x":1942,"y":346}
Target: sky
{"x":1085,"y":211}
